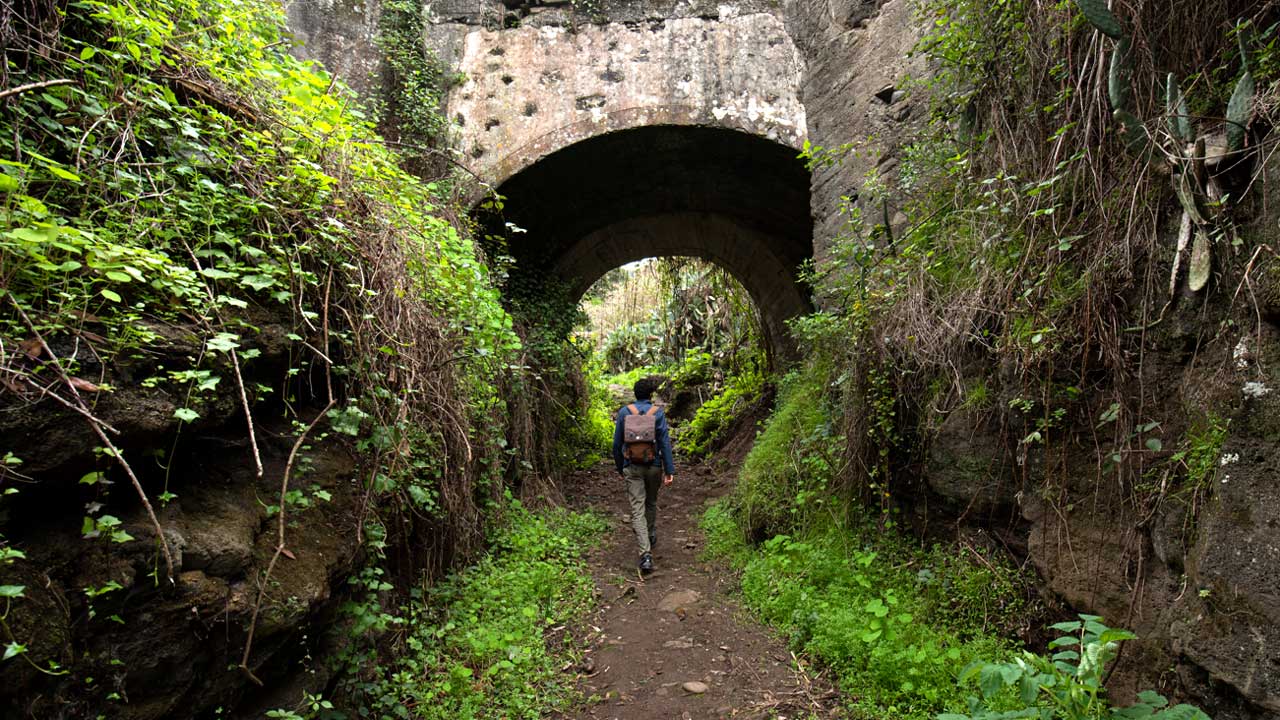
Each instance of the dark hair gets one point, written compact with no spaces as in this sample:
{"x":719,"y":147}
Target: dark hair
{"x":644,"y":388}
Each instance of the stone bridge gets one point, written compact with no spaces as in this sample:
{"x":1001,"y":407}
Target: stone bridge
{"x":629,"y":130}
{"x":623,"y":129}
{"x":639,"y":137}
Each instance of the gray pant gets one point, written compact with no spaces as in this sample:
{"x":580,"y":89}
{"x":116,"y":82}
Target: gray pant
{"x":643,"y":483}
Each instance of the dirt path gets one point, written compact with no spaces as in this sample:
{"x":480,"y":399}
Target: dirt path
{"x":679,"y":625}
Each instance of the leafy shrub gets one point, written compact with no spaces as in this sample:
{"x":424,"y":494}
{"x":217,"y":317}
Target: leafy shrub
{"x":629,"y":378}
{"x":694,"y":370}
{"x":1064,"y":686}
{"x":592,"y":430}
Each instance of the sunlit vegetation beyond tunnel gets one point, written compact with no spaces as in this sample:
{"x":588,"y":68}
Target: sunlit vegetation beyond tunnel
{"x":688,"y":323}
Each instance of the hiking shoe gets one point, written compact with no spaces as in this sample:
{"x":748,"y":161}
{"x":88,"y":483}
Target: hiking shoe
{"x":653,"y":540}
{"x":646,"y":563}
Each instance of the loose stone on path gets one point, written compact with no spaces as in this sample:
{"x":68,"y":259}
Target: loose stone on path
{"x":679,"y":599}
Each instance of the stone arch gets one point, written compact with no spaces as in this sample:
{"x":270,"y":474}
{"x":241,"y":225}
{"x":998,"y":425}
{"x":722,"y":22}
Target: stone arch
{"x":742,"y":251}
{"x":529,"y":91}
{"x":734,"y":198}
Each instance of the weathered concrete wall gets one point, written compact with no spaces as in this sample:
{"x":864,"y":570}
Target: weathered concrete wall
{"x":342,"y":34}
{"x":533,"y":90}
{"x":855,"y":53}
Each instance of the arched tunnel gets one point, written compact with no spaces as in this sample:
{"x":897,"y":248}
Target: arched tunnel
{"x":738,"y":200}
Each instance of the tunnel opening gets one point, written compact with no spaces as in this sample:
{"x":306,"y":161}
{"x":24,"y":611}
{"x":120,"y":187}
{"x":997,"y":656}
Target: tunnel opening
{"x":670,"y":315}
{"x":725,"y":196}
{"x":688,"y":325}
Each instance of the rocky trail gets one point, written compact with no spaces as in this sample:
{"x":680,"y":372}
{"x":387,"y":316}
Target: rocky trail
{"x":675,"y":644}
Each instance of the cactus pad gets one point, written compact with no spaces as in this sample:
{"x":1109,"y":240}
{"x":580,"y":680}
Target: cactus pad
{"x":1238,"y":111}
{"x":1134,"y":134}
{"x":1100,"y":16}
{"x":1120,"y":78}
{"x":1176,"y":108}
{"x":1201,"y":262}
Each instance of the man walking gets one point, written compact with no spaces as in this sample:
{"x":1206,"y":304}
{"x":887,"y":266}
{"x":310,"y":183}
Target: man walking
{"x":642,"y":453}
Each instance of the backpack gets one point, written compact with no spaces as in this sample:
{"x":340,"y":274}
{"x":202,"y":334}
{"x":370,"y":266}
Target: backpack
{"x":640,"y":435}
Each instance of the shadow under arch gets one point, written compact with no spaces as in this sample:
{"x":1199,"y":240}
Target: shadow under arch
{"x":739,"y":200}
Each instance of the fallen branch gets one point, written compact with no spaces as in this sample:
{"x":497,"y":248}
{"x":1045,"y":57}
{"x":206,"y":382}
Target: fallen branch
{"x":34,"y":86}
{"x":248,"y":414}
{"x":280,"y":548}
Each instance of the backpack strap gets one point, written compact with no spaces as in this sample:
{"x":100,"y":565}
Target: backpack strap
{"x":653,"y":410}
{"x":632,"y":409}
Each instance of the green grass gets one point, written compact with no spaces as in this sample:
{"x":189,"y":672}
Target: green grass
{"x":476,"y":644}
{"x":894,"y":623}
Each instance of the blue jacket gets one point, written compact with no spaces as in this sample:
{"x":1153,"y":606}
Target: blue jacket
{"x":663,"y":437}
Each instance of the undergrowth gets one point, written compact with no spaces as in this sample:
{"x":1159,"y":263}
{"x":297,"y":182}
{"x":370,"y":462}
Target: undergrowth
{"x":487,"y":642}
{"x":200,"y":228}
{"x":716,"y":415}
{"x":892,"y":621}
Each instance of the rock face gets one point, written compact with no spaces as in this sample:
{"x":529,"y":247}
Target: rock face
{"x":105,"y":609}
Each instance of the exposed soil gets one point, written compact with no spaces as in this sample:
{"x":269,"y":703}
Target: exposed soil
{"x":654,"y":634}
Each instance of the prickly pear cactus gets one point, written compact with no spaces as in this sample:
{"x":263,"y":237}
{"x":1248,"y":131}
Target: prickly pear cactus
{"x":1120,"y":78}
{"x":1100,"y":16}
{"x":1182,"y":185}
{"x":1240,"y":107}
{"x":1135,"y":135}
{"x":1176,"y":108}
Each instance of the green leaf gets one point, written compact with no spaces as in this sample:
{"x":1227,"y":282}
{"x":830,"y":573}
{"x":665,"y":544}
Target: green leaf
{"x":186,"y":414}
{"x":258,"y":282}
{"x":64,"y":174}
{"x":110,"y":295}
{"x":11,"y":591}
{"x":1154,"y":444}
{"x":13,"y":649}
{"x":118,"y":276}
{"x":88,"y":53}
{"x":216,"y":274}
{"x":223,"y":342}
{"x":991,"y":680}
{"x":92,"y":478}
